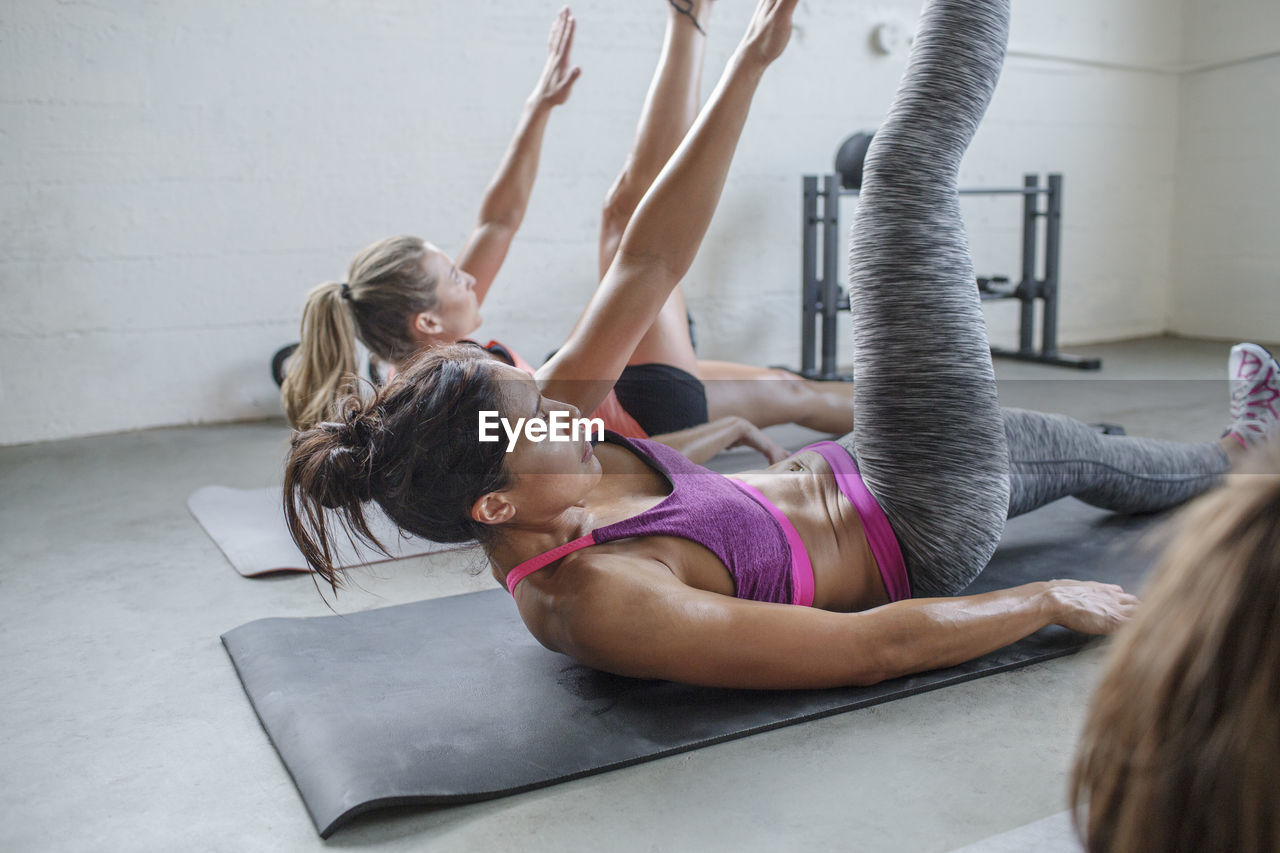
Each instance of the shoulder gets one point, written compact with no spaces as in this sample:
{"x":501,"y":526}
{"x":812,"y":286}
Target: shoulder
{"x":509,"y":355}
{"x":585,"y":590}
{"x":624,"y":455}
{"x":652,"y":455}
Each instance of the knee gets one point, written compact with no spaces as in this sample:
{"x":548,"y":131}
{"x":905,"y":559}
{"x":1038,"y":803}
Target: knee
{"x":797,"y":396}
{"x":804,"y":395}
{"x":620,"y":203}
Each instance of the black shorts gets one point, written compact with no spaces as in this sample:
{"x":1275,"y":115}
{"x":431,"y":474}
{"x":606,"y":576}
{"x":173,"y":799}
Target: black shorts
{"x":662,"y":398}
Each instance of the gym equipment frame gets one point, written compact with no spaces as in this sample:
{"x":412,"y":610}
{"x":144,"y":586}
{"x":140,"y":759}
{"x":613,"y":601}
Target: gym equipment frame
{"x":822,"y":297}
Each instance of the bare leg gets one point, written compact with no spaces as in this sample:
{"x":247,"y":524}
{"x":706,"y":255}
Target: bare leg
{"x":669,"y":110}
{"x":740,"y":389}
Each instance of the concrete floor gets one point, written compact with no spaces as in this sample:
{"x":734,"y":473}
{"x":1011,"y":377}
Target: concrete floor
{"x":126,"y":728}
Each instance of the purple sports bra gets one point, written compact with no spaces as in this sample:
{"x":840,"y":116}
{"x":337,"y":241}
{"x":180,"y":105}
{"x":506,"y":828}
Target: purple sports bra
{"x":753,"y":538}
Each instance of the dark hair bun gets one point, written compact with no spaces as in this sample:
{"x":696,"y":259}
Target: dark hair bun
{"x":362,"y":425}
{"x":412,"y":450}
{"x":344,"y":452}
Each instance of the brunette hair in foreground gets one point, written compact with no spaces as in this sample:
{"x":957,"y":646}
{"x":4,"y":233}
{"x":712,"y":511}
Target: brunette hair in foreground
{"x":1181,"y":750}
{"x":412,"y":449}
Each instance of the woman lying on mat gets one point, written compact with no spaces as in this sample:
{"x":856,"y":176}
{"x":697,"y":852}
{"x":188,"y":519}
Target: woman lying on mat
{"x":404,"y":295}
{"x":1180,"y":748}
{"x":825,"y":569}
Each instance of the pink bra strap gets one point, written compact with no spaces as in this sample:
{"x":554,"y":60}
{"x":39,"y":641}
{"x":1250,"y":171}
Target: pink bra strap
{"x":530,"y":566}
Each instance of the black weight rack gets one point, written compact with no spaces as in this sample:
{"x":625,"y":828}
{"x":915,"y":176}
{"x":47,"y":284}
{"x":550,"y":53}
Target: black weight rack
{"x":823,"y":296}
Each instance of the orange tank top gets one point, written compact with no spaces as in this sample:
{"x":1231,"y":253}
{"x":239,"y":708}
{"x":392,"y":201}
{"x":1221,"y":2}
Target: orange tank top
{"x":616,"y":419}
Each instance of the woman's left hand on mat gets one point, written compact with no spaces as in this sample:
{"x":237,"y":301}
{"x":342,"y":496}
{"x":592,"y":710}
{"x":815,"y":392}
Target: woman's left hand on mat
{"x":1089,"y":607}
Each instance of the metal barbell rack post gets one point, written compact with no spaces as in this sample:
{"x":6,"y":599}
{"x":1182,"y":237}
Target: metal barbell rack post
{"x":822,"y":297}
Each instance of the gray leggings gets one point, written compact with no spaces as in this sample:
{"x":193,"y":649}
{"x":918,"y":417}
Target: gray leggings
{"x":933,"y":445}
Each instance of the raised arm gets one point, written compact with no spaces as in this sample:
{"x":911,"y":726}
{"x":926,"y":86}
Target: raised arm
{"x":662,"y":238}
{"x":507,"y":197}
{"x":650,"y":625}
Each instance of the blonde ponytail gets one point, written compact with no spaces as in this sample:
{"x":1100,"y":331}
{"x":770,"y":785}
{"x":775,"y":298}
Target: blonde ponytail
{"x":387,"y":285}
{"x":324,"y":367}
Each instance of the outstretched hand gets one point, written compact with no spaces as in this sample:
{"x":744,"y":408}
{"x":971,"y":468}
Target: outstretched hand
{"x":558,"y":76}
{"x":749,"y":435}
{"x":770,"y":29}
{"x":1089,"y":607}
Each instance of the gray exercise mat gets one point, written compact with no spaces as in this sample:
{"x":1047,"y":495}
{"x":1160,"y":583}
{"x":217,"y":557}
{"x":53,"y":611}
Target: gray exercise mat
{"x":451,"y":700}
{"x":248,"y":527}
{"x":1053,"y":834}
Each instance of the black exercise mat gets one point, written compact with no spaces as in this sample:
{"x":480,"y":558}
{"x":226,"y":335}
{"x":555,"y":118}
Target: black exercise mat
{"x":451,"y":700}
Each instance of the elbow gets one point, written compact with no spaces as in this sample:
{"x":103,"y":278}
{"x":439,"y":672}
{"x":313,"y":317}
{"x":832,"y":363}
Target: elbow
{"x":866,"y":675}
{"x":501,"y":218}
{"x":882,"y":659}
{"x":621,"y":201}
{"x":653,"y":267}
{"x":896,"y":658}
{"x":501,"y":207}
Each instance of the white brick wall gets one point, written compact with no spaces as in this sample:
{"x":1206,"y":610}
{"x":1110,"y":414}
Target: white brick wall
{"x":1226,"y":280}
{"x":177,"y":175}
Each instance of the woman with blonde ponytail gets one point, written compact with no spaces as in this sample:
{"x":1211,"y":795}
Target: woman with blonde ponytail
{"x":405,"y":296}
{"x":387,"y":283}
{"x":402,"y":291}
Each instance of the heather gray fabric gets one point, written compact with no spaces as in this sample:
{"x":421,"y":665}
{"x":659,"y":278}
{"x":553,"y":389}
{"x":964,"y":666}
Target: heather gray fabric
{"x":932,"y":444}
{"x":928,"y":435}
{"x":1054,"y":456}
{"x":248,"y":526}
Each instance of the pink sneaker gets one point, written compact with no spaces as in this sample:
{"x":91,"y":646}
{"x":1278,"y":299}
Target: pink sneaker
{"x":1255,"y":393}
